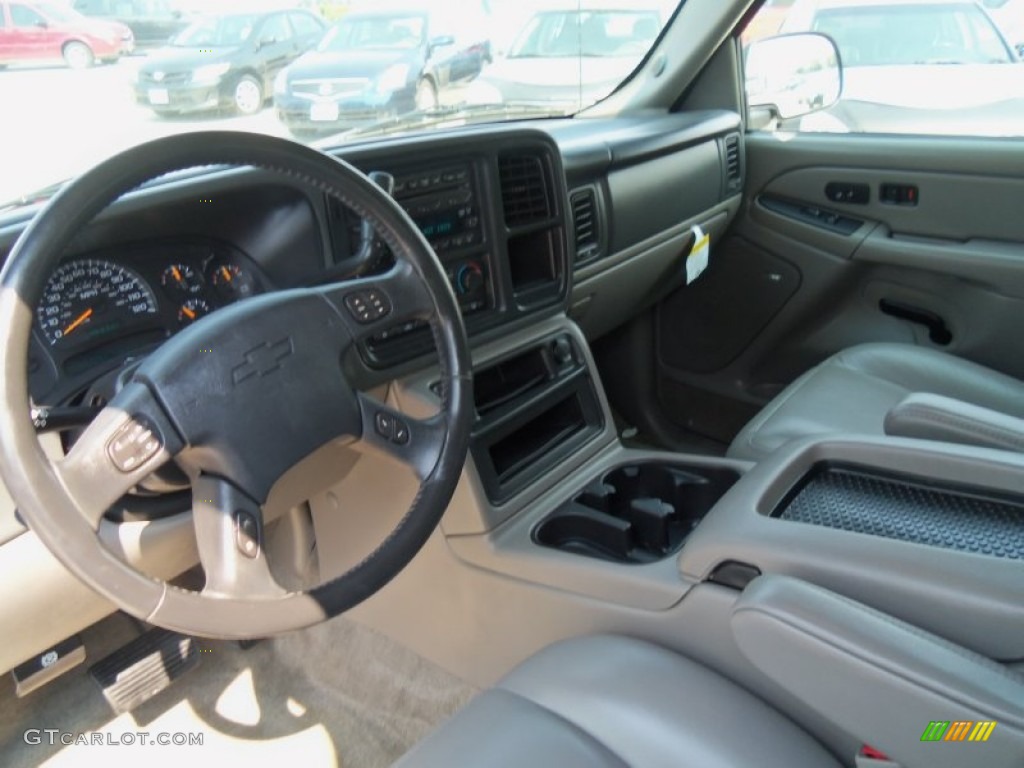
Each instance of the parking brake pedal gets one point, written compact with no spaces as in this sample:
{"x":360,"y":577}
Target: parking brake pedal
{"x":147,"y":665}
{"x":48,"y":666}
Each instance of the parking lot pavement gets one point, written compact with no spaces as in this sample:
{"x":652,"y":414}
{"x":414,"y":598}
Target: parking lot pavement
{"x":57,"y":122}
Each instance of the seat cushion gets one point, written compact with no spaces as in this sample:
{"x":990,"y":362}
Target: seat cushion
{"x":852,"y":391}
{"x":614,"y":701}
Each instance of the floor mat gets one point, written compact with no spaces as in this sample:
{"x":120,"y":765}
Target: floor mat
{"x":335,"y":695}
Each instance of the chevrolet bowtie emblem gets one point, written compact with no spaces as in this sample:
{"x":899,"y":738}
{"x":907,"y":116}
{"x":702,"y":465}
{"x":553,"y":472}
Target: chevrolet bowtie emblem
{"x":263,"y":360}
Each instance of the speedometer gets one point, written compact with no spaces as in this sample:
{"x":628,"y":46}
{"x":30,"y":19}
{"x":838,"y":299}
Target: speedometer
{"x":91,"y":299}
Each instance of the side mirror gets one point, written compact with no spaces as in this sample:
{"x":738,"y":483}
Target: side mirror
{"x":42,"y":24}
{"x":1020,"y":49}
{"x":793,"y":75}
{"x":263,"y":42}
{"x":442,"y":41}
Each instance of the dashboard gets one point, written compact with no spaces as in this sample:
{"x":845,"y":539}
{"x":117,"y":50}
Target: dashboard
{"x":527,"y":223}
{"x":585,"y":218}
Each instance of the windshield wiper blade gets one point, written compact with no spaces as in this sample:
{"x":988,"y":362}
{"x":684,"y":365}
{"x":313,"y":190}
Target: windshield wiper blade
{"x":428,"y":118}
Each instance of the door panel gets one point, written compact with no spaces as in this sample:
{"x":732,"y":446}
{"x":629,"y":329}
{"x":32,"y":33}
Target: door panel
{"x":803,"y":274}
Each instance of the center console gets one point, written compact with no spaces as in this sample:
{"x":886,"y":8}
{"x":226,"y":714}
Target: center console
{"x":927,"y":532}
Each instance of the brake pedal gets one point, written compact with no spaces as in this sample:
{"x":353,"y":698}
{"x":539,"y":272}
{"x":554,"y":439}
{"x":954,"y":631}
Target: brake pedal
{"x":147,"y":665}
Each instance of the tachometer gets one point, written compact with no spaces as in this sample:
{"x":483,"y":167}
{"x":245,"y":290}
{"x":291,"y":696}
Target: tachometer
{"x":91,"y":299}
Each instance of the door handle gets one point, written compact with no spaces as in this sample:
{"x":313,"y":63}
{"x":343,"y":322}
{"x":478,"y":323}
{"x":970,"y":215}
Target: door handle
{"x":938,"y":331}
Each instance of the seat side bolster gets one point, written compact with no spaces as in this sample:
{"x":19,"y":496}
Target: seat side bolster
{"x":499,"y":729}
{"x":934,"y":417}
{"x":881,"y":679}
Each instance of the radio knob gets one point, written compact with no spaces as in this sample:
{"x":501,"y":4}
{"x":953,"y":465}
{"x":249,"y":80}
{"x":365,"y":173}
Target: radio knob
{"x":469,"y":279}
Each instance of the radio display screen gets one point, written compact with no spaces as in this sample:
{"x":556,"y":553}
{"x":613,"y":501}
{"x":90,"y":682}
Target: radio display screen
{"x":436,"y":226}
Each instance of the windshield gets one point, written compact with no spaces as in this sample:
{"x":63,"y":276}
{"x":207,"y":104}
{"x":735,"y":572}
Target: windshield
{"x":249,"y":65}
{"x":217,"y":31}
{"x":388,"y":32}
{"x":59,"y":13}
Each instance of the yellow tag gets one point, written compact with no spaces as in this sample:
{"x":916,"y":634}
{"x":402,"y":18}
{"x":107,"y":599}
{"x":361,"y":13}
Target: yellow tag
{"x":699,"y":256}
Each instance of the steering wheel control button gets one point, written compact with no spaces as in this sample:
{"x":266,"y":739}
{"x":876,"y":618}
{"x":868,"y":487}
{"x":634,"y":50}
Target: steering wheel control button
{"x":391,"y":428}
{"x":247,"y":534}
{"x":133,"y":445}
{"x":368,"y":306}
{"x":385,"y":425}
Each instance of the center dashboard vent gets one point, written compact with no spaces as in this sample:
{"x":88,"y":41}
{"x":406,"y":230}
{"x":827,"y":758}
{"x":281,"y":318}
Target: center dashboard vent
{"x":586,"y":225}
{"x":525,"y":192}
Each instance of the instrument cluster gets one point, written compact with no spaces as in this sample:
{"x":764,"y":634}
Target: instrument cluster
{"x":97,"y":311}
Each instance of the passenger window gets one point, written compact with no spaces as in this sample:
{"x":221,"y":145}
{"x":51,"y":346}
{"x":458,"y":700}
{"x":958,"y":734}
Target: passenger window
{"x":23,"y":16}
{"x":304,"y":25}
{"x":276,"y":28}
{"x":943,"y":68}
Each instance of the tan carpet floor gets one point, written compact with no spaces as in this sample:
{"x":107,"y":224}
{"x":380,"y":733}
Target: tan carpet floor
{"x":335,"y":695}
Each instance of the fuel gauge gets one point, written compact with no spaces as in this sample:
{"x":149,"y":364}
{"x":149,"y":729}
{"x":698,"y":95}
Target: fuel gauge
{"x":231,"y":282}
{"x":192,"y":310}
{"x":181,"y":280}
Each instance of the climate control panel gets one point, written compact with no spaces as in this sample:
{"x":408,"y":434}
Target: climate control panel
{"x":469,"y":280}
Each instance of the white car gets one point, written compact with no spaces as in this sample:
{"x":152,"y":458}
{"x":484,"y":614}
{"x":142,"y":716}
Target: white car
{"x":908,"y":62}
{"x":570,"y":56}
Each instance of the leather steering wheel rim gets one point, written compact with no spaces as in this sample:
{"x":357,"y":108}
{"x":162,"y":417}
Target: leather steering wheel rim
{"x":57,"y":498}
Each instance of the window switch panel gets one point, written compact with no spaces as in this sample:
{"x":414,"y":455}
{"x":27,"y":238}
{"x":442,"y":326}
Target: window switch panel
{"x":847,"y":192}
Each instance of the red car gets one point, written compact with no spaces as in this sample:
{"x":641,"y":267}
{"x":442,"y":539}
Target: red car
{"x":31,"y":32}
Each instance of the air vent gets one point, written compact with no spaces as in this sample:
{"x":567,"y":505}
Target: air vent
{"x":524,"y":190}
{"x":584,"y":217}
{"x":733,"y":167}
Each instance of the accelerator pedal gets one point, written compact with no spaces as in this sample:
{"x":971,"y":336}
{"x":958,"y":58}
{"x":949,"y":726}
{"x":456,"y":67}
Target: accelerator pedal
{"x":138,"y":671}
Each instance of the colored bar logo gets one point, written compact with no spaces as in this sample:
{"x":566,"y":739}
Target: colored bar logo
{"x":958,"y":730}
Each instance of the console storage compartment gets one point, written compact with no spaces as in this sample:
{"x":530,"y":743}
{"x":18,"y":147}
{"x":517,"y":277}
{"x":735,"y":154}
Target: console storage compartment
{"x":933,"y":512}
{"x":534,"y":409}
{"x":637,"y":513}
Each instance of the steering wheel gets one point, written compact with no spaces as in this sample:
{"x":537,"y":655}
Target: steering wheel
{"x":237,"y":399}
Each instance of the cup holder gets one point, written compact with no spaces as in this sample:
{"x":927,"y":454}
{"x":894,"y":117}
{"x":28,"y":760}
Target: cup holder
{"x":637,"y":513}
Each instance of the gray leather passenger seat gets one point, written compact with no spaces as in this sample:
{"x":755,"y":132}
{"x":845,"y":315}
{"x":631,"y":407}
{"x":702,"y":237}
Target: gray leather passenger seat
{"x":608,"y":702}
{"x":604,"y":700}
{"x":895,"y":389}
